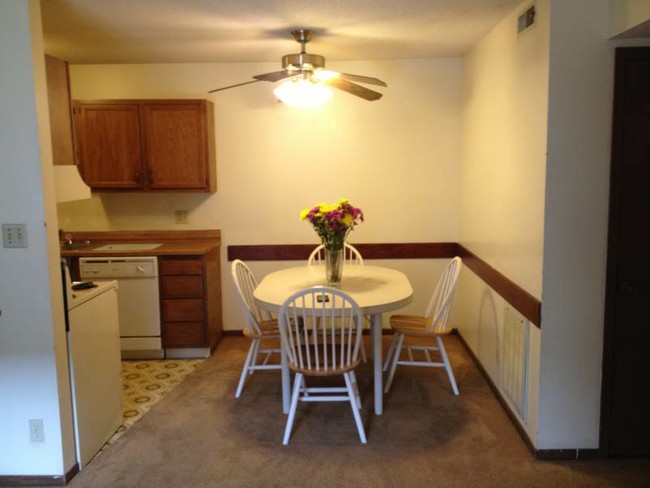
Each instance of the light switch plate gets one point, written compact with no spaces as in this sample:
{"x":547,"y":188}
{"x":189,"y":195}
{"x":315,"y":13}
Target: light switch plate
{"x":14,"y":235}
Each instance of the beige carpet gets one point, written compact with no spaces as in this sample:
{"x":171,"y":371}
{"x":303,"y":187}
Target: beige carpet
{"x":199,"y":435}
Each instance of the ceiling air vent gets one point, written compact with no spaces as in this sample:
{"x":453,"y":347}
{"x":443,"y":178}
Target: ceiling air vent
{"x":526,"y":20}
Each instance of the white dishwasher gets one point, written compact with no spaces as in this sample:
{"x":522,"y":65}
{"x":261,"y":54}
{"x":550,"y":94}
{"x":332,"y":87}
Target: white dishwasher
{"x":138,"y":301}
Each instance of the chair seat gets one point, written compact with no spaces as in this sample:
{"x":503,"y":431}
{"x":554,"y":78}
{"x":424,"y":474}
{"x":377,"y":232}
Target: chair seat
{"x":321,"y":354}
{"x":413,"y":325}
{"x":269,"y":329}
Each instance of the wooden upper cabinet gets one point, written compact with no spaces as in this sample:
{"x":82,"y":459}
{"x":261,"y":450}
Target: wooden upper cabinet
{"x":58,"y":97}
{"x":108,"y":145}
{"x":147,"y":145}
{"x":177,"y":150}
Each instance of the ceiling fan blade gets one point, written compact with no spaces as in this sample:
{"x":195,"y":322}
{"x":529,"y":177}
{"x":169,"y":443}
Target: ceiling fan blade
{"x":233,"y":86}
{"x":353,"y":88}
{"x":275,"y":76}
{"x":363,"y":79}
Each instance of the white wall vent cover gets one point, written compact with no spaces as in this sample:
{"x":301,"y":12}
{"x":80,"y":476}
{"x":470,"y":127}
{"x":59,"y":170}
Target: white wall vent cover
{"x":514,"y":366}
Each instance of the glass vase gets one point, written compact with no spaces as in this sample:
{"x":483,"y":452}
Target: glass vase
{"x":333,"y":266}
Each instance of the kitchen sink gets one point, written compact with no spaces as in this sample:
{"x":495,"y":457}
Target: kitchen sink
{"x":75,"y":246}
{"x":128,"y":246}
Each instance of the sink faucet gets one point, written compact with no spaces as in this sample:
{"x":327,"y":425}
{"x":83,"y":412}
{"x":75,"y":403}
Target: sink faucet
{"x":65,"y":237}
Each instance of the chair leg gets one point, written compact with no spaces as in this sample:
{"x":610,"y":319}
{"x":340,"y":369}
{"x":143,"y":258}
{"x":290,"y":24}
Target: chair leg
{"x":362,"y":350}
{"x":253,"y":362}
{"x":391,"y":348}
{"x":445,"y":360}
{"x":396,"y":353}
{"x":356,"y":388}
{"x":303,"y":387}
{"x":245,"y":370}
{"x":354,"y":405}
{"x":297,"y":384}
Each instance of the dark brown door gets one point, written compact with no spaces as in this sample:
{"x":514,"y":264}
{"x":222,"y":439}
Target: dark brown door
{"x":626,"y":365}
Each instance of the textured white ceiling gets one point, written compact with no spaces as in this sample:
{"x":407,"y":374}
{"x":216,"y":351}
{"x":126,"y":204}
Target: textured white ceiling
{"x":184,"y":31}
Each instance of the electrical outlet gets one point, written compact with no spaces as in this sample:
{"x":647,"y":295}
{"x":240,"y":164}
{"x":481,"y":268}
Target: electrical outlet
{"x":180,"y":216}
{"x":14,"y":235}
{"x":36,"y":432}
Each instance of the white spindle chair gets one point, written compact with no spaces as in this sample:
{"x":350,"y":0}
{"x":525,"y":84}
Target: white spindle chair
{"x":432,"y":324}
{"x":260,"y":326}
{"x":351,"y":256}
{"x":320,"y":330}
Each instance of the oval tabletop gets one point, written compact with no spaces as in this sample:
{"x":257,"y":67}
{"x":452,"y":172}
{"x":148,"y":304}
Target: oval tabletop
{"x":375,"y":289}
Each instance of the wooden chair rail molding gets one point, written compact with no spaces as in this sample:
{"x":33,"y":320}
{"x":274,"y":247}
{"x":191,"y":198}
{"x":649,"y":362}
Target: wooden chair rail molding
{"x":529,"y":306}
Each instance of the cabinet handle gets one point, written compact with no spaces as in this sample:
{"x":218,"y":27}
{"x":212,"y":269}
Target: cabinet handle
{"x":136,"y":177}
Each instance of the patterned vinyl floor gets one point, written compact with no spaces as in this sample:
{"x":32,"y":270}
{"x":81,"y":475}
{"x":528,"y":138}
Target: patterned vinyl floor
{"x":145,"y":382}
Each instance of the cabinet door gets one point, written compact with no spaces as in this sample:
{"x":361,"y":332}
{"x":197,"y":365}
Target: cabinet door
{"x":109,"y":145}
{"x":176,"y":146}
{"x":58,"y":97}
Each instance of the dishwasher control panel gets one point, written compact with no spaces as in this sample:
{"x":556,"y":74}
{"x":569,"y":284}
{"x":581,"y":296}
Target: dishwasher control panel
{"x":118,"y":267}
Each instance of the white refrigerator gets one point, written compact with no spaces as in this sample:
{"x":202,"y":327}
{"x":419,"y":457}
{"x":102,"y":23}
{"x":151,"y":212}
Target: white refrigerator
{"x":95,"y":366}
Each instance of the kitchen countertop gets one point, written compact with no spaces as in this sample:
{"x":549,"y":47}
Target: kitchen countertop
{"x":78,"y":297}
{"x":192,"y":242}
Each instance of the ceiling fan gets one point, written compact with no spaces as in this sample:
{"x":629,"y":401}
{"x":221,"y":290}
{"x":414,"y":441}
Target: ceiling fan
{"x":310,"y":67}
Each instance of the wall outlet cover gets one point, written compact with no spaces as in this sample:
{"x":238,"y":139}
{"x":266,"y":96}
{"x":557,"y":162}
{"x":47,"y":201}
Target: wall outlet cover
{"x":14,"y":235}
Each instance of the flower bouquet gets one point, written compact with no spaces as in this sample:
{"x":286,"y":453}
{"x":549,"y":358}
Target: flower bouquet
{"x":333,"y":223}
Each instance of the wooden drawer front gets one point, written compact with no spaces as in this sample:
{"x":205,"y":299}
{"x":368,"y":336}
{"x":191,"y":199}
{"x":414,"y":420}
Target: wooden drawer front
{"x":182,"y":286}
{"x":181,"y":266}
{"x":184,"y":334}
{"x":183,"y":310}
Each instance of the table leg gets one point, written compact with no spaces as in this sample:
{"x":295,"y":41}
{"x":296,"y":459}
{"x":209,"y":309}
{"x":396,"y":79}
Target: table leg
{"x":377,"y":363}
{"x":286,"y":382}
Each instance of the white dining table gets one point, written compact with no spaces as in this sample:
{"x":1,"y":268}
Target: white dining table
{"x":375,"y":289}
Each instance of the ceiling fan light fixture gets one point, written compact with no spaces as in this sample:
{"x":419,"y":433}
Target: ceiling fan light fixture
{"x":307,"y":82}
{"x":325,"y":75}
{"x":303,"y":93}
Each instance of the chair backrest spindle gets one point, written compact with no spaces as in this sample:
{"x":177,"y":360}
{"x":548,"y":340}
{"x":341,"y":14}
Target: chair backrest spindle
{"x":245,"y":284}
{"x":443,"y":295}
{"x":320,"y":329}
{"x":350,"y":255}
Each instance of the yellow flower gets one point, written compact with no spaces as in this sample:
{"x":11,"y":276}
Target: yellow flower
{"x":333,"y":222}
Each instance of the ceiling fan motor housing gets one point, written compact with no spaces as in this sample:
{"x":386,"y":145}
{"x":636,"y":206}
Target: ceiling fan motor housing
{"x":303,"y":61}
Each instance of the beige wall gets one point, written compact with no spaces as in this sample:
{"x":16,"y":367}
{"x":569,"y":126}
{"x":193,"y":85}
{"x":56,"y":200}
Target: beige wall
{"x":33,"y":357}
{"x":626,"y":15}
{"x":548,"y":118}
{"x":396,"y":158}
{"x":581,"y":86}
{"x":505,"y":97}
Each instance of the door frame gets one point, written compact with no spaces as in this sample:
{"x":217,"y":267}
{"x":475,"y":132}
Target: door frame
{"x":623,"y":54}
